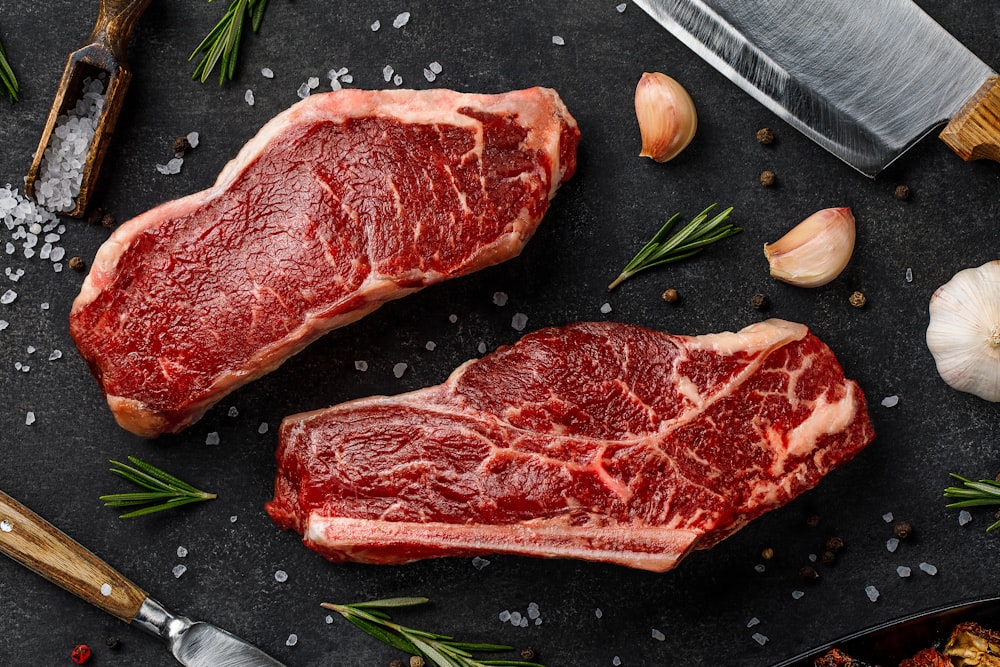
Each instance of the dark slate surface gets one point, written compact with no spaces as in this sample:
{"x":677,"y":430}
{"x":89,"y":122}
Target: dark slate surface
{"x":58,"y":465}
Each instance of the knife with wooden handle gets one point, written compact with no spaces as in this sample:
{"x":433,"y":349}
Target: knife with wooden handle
{"x":41,"y":547}
{"x":865,"y":80}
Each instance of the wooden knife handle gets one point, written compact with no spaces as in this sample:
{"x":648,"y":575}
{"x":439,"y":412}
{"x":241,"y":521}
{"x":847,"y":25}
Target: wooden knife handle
{"x":41,"y":547}
{"x":974,"y":132}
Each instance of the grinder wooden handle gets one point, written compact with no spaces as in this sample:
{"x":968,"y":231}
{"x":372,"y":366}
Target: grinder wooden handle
{"x":974,"y":132}
{"x":41,"y":547}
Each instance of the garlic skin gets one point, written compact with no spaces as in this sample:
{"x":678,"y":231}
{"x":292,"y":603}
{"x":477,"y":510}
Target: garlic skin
{"x":816,"y":250}
{"x":666,"y":115}
{"x":963,"y":334}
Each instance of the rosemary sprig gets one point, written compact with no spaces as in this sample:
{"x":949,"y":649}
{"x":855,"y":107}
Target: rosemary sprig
{"x":223,"y":42}
{"x":690,"y":240}
{"x":7,"y":77}
{"x":985,"y":492}
{"x":440,"y":650}
{"x":164,"y":490}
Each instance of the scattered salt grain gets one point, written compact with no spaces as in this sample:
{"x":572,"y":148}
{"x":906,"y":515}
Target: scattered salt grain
{"x":399,"y":369}
{"x":429,"y":75}
{"x":267,"y":72}
{"x":335,"y":85}
{"x":515,"y":618}
{"x":292,"y":640}
{"x":4,"y":324}
{"x":903,"y":571}
{"x":533,"y":612}
{"x":57,"y":267}
{"x":658,"y":636}
{"x":892,"y":544}
{"x":329,"y":619}
{"x":193,"y":139}
{"x":430,"y":346}
{"x":605,"y":308}
{"x":8,"y":297}
{"x":500,"y":298}
{"x":435,"y":67}
{"x":558,"y":40}
{"x":105,"y":590}
{"x":616,"y":661}
{"x":504,"y":616}
{"x":303,"y":91}
{"x":759,"y":638}
{"x":753,"y":621}
{"x":397,"y":80}
{"x":387,"y":73}
{"x":964,"y":517}
{"x":361,"y":365}
{"x":401,"y":20}
{"x":313,"y":82}
{"x":262,"y":429}
{"x":25,"y":369}
{"x":281,"y":576}
{"x":620,"y":8}
{"x":6,"y":526}
{"x":233,"y":412}
{"x":376,"y":25}
{"x":31,"y":349}
{"x":759,"y":568}
{"x":871,"y":592}
{"x":233,"y":519}
{"x":887,"y":517}
{"x":171,"y":167}
{"x":17,"y":365}
{"x":248,"y":97}
{"x":479,"y":562}
{"x":481,"y":348}
{"x":453,"y":318}
{"x":347,"y":78}
{"x":890,"y":401}
{"x":212,"y":438}
{"x":598,"y":613}
{"x":813,"y":558}
{"x":182,"y":552}
{"x":44,"y":305}
{"x":519,"y":321}
{"x":179,"y":570}
{"x":29,"y":419}
{"x":927,"y":568}
{"x":797,"y":595}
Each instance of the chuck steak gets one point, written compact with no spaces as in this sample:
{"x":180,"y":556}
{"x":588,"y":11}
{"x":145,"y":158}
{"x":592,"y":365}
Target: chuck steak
{"x":599,"y":441}
{"x":339,"y":204}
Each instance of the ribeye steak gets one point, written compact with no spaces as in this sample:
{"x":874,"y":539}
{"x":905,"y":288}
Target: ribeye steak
{"x":339,"y":204}
{"x":599,"y":441}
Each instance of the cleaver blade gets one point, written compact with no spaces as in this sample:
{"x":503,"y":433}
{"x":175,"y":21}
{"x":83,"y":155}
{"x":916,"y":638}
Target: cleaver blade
{"x":864,"y":79}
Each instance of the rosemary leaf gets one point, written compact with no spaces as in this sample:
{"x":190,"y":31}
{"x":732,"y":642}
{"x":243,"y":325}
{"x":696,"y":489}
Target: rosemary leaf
{"x":7,"y":77}
{"x":690,"y":240}
{"x":437,"y":649}
{"x":221,"y":46}
{"x":980,"y":493}
{"x":163,"y":490}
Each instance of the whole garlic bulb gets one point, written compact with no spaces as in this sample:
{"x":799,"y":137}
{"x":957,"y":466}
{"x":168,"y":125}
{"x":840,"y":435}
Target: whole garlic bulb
{"x":816,"y":250}
{"x":666,"y":115}
{"x":964,"y":331}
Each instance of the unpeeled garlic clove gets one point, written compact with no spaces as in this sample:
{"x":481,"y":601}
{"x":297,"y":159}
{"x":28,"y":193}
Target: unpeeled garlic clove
{"x":666,"y":115}
{"x":963,"y":334}
{"x":816,"y":250}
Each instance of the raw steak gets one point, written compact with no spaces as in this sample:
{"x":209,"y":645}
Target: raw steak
{"x":605,"y":442}
{"x":339,"y":204}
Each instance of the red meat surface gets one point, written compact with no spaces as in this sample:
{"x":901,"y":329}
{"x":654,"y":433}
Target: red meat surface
{"x":339,"y":204}
{"x":598,"y":441}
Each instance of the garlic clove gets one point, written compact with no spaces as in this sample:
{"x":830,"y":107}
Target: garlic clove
{"x":816,"y":250}
{"x":666,"y":115}
{"x":963,"y":334}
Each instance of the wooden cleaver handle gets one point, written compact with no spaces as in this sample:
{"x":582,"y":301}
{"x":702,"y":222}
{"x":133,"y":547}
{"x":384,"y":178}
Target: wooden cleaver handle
{"x":41,"y":547}
{"x":974,"y":132}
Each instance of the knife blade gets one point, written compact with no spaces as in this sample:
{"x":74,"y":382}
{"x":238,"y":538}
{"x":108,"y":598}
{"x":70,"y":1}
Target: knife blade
{"x":41,"y":547}
{"x":865,"y":80}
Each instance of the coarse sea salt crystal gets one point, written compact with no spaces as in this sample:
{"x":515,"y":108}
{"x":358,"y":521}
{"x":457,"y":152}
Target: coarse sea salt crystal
{"x":397,"y":80}
{"x":909,"y":275}
{"x":481,"y":348}
{"x":4,"y":324}
{"x":8,"y":297}
{"x":616,"y":661}
{"x":179,"y":570}
{"x":759,"y":568}
{"x":964,"y":517}
{"x":55,"y":354}
{"x":347,"y":78}
{"x":361,"y":365}
{"x":605,"y":308}
{"x":193,"y":138}
{"x":401,"y":19}
{"x":558,"y":40}
{"x":903,"y":571}
{"x":429,"y":75}
{"x":248,"y":96}
{"x":387,"y":73}
{"x":871,"y":592}
{"x":887,"y":517}
{"x":620,"y":8}
{"x":598,"y":613}
{"x":44,"y":305}
{"x":453,"y":318}
{"x":892,"y":544}
{"x":753,"y":621}
{"x":479,"y":562}
{"x":500,"y":298}
{"x":212,"y":438}
{"x":760,"y":638}
{"x":519,"y":321}
{"x":797,"y":595}
{"x":105,"y":590}
{"x":329,"y":619}
{"x":6,"y":526}
{"x":182,"y":552}
{"x":435,"y":67}
{"x":281,"y":576}
{"x":303,"y":91}
{"x":233,"y":411}
{"x":233,"y":519}
{"x":927,"y":568}
{"x":262,"y":429}
{"x":430,"y":346}
{"x":658,"y":636}
{"x":292,"y":640}
{"x":376,"y":25}
{"x":313,"y":82}
{"x":399,"y":369}
{"x":267,"y":72}
{"x":890,"y":401}
{"x":29,"y":418}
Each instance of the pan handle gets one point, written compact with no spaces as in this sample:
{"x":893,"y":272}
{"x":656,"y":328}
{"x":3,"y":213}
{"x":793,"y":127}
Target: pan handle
{"x":41,"y":547}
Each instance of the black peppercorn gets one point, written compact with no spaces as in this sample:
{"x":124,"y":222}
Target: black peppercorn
{"x":528,"y":653}
{"x":812,"y":520}
{"x":828,"y":558}
{"x":113,"y":642}
{"x":834,"y":544}
{"x":107,"y":221}
{"x":767,"y":178}
{"x":671,"y":296}
{"x":765,"y":136}
{"x":395,"y":662}
{"x":809,"y":573}
{"x":902,"y":529}
{"x":767,"y":553}
{"x":95,"y":215}
{"x":759,"y":301}
{"x":902,"y":192}
{"x":77,"y":264}
{"x":858,"y":300}
{"x":181,"y":146}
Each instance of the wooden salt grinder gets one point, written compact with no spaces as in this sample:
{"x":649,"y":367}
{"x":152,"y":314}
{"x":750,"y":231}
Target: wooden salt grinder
{"x":104,"y":51}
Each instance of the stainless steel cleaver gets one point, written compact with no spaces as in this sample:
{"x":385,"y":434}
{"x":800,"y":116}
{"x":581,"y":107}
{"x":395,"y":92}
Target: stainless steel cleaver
{"x":42,"y":548}
{"x":865,"y":79}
